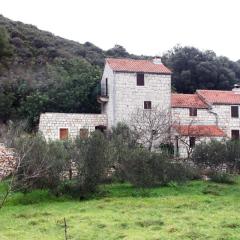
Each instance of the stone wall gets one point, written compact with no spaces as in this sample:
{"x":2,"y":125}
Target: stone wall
{"x":7,"y":162}
{"x":225,"y":121}
{"x":130,"y":97}
{"x":51,"y":123}
{"x":204,"y":117}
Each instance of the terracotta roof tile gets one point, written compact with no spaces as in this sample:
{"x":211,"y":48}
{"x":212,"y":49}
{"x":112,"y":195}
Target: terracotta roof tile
{"x":187,"y":101}
{"x":199,"y":130}
{"x":219,"y":97}
{"x":131,"y":65}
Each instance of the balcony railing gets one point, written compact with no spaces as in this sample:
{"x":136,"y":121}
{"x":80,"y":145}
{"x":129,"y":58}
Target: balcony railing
{"x":102,"y":94}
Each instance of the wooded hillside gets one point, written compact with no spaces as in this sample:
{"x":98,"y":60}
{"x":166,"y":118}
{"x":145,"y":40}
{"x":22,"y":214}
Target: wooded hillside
{"x":42,"y":72}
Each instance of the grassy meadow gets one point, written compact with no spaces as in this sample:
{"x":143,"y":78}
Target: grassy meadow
{"x":196,"y":210}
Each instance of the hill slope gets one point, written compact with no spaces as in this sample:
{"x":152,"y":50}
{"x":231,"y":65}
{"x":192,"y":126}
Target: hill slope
{"x":43,"y":72}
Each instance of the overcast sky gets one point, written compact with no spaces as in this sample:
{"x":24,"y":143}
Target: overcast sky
{"x":142,"y":26}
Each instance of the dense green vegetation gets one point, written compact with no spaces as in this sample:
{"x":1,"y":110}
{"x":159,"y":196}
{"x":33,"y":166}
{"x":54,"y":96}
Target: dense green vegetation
{"x":41,"y":72}
{"x":198,"y":210}
{"x":194,"y":69}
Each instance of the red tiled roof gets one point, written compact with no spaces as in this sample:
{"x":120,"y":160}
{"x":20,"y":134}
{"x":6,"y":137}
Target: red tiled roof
{"x":187,"y":101}
{"x":219,"y":97}
{"x":131,"y":65}
{"x":199,"y":130}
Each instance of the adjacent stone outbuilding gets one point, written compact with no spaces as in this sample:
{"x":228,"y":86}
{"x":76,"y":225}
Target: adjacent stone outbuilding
{"x":56,"y":126}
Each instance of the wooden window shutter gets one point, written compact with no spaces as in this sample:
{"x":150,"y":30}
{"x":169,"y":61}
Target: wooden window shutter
{"x":63,"y":133}
{"x":234,"y":111}
{"x":192,"y":142}
{"x":192,"y":112}
{"x":140,"y":79}
{"x":84,"y":133}
{"x":235,"y":134}
{"x":147,"y":105}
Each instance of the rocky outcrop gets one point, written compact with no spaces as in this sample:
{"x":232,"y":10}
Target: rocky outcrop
{"x":7,"y":162}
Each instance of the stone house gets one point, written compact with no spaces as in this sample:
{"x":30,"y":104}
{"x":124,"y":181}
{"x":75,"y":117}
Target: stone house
{"x":128,"y":84}
{"x":205,"y":115}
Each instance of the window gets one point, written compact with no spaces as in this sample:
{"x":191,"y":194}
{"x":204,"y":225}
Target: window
{"x":106,"y":90}
{"x":147,"y":105}
{"x":192,"y":141}
{"x":63,"y":133}
{"x":234,"y":111}
{"x":140,"y":79}
{"x":83,"y":133}
{"x":192,"y":112}
{"x":235,"y":134}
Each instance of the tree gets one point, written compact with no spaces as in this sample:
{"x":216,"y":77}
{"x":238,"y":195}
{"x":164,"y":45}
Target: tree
{"x":73,"y":86}
{"x":5,"y":46}
{"x":151,"y":127}
{"x":194,"y":69}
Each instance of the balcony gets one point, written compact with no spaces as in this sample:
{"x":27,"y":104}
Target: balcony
{"x":102,"y":99}
{"x":102,"y":95}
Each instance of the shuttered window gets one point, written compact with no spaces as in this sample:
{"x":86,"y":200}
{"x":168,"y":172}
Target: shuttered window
{"x":234,"y":111}
{"x":147,"y":105}
{"x":235,"y":134}
{"x":192,"y":141}
{"x":192,"y":112}
{"x":63,"y":133}
{"x":83,"y":133}
{"x":140,"y":79}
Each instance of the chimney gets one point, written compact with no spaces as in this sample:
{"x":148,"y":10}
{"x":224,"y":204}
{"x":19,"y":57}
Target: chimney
{"x":157,"y":60}
{"x":236,"y":88}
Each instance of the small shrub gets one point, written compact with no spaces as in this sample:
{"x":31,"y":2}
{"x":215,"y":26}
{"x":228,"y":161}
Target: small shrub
{"x":223,"y":178}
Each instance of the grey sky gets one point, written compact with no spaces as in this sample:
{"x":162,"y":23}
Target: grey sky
{"x":142,"y":26}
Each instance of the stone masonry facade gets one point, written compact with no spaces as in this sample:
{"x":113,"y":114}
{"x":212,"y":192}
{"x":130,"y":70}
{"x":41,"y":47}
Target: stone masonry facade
{"x":51,"y":123}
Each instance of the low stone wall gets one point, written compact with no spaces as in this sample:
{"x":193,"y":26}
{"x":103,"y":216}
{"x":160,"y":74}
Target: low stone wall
{"x":7,"y":162}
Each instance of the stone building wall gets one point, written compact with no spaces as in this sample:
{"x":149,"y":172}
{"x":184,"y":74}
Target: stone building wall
{"x":225,"y":121}
{"x":204,"y":117}
{"x":108,"y":108}
{"x":51,"y":123}
{"x":130,"y":97}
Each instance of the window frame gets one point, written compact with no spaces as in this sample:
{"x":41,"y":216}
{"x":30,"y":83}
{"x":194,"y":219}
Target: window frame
{"x":238,"y":134}
{"x":59,"y":133}
{"x":140,"y":79}
{"x":85,"y":129}
{"x":236,"y":111}
{"x":193,"y":112}
{"x":146,"y":105}
{"x":192,"y":141}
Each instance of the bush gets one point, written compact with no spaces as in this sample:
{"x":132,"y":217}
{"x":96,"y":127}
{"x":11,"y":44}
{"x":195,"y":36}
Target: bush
{"x":223,"y":178}
{"x":41,"y":163}
{"x":92,"y":161}
{"x":212,"y":154}
{"x":217,"y":155}
{"x":148,"y":169}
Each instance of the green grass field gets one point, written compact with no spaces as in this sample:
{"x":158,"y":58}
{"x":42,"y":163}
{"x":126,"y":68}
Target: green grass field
{"x":197,"y":210}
